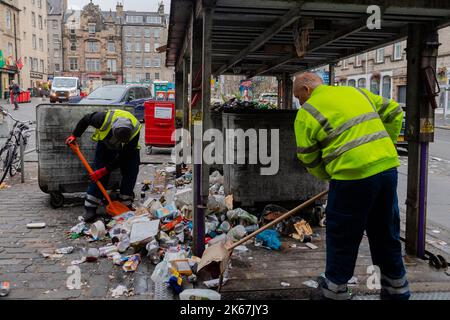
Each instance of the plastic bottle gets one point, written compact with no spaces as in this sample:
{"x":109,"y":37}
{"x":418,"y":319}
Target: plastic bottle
{"x":124,"y":244}
{"x":199,"y":294}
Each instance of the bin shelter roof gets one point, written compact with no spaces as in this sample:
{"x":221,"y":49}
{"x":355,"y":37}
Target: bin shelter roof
{"x":255,"y":37}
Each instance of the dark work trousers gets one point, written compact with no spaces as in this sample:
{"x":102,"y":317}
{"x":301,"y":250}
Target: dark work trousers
{"x":128,"y":169}
{"x":15,"y":98}
{"x":369,"y":205}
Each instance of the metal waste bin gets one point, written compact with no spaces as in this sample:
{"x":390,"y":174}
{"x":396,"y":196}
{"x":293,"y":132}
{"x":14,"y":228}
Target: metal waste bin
{"x":59,"y":169}
{"x":245,"y":182}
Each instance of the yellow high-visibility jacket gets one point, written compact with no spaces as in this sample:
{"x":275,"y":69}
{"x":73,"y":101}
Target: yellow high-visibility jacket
{"x":346,"y":133}
{"x":111,"y":117}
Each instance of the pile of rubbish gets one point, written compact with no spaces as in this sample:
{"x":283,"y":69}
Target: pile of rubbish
{"x":161,"y":230}
{"x":235,"y":104}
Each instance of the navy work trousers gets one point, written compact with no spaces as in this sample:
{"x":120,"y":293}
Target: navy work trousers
{"x":369,"y":205}
{"x":129,"y":170}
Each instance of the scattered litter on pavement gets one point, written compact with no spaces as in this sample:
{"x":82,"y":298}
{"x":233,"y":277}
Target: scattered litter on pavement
{"x":77,"y":262}
{"x":98,"y":230}
{"x":4,"y":186}
{"x":37,"y":225}
{"x":353,"y":281}
{"x":119,"y":291}
{"x":270,"y":239}
{"x":199,"y":294}
{"x":311,"y":246}
{"x":311,"y":284}
{"x":436,"y":231}
{"x":241,"y":249}
{"x":66,"y":250}
{"x":132,"y":262}
{"x":214,"y":283}
{"x":285,"y":284}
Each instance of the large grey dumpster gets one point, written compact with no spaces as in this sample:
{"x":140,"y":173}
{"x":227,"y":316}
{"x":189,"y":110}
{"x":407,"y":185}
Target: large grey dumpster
{"x":291,"y":183}
{"x":60,"y":170}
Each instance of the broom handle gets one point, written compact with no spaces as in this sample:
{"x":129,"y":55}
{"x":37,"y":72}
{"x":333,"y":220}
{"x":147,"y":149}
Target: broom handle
{"x":76,"y":149}
{"x":283,"y":217}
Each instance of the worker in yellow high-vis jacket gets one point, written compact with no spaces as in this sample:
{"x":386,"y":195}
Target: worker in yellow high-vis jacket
{"x":347,"y":135}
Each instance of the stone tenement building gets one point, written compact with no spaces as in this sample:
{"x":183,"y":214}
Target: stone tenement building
{"x":384,"y":71}
{"x":9,"y":43}
{"x":143,"y":34}
{"x":115,"y":46}
{"x":34,"y":52}
{"x":56,"y":10}
{"x":92,"y":45}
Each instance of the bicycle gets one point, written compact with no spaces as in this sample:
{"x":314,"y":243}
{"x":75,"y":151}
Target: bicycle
{"x":11,"y":159}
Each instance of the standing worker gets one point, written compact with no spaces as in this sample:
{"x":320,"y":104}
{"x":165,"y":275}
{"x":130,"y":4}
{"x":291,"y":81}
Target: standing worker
{"x":347,"y":135}
{"x":14,"y":92}
{"x":117,"y":138}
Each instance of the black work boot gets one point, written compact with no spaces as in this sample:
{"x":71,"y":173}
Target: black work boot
{"x":90,"y":215}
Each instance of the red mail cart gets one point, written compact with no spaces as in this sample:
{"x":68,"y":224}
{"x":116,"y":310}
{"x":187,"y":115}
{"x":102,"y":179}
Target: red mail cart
{"x":159,"y":124}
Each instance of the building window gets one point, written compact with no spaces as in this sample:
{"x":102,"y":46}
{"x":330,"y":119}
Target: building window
{"x":148,"y":77}
{"x":358,"y":60}
{"x":380,"y":55}
{"x":375,"y":85}
{"x":56,"y":54}
{"x":39,"y":4}
{"x":137,"y":33}
{"x":156,"y":46}
{"x":401,"y":94}
{"x":34,"y":42}
{"x":147,"y":47}
{"x":128,"y":62}
{"x":398,"y":51}
{"x":92,"y":46}
{"x":135,"y":19}
{"x":73,"y":46}
{"x":73,"y":64}
{"x":55,"y":24}
{"x":137,"y":46}
{"x":40,"y":22}
{"x":33,"y":19}
{"x":147,"y":33}
{"x":352,"y":83}
{"x":362,"y":83}
{"x":156,"y":75}
{"x":57,"y":67}
{"x":344,"y":64}
{"x":91,"y":28}
{"x":138,"y":77}
{"x":138,"y":62}
{"x":387,"y":87}
{"x":128,"y":32}
{"x":56,"y":38}
{"x":10,"y":49}
{"x":8,"y":19}
{"x":157,"y":63}
{"x":156,"y":33}
{"x":92,"y":64}
{"x":111,"y":46}
{"x":148,"y":63}
{"x":129,"y":77}
{"x":153,"y":19}
{"x":128,"y":47}
{"x":112,"y":65}
{"x":41,"y":66}
{"x":41,"y":45}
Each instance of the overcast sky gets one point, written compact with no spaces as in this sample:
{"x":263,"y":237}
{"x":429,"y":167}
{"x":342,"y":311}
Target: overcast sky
{"x":137,"y":5}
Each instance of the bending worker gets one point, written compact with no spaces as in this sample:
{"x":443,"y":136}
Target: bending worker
{"x":117,"y":136}
{"x":347,"y":135}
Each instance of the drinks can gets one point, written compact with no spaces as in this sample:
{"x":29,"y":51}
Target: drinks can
{"x":4,"y":288}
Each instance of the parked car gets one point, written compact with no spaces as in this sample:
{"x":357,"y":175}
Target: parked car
{"x":269,"y":97}
{"x":65,"y":89}
{"x":128,"y":95}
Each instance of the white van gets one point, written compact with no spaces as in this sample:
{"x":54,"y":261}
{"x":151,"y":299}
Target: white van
{"x":64,"y":88}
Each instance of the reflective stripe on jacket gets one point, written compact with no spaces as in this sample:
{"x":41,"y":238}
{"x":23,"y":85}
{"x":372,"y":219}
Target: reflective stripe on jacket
{"x":344,"y":133}
{"x":111,"y":117}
